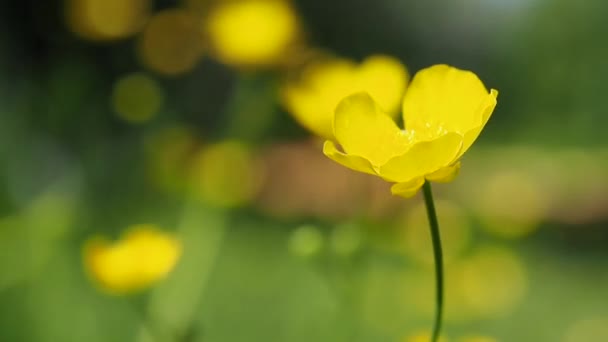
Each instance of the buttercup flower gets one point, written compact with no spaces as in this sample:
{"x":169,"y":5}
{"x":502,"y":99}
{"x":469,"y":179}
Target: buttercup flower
{"x":143,"y":256}
{"x":313,"y":98}
{"x":444,"y":110}
{"x":252,"y":32}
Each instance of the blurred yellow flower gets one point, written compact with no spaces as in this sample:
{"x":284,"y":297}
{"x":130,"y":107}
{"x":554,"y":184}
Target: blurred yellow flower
{"x":444,"y":110}
{"x":251,"y":32}
{"x":313,"y":97}
{"x":142,"y":257}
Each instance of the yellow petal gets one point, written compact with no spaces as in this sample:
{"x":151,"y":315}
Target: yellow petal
{"x":445,"y":174}
{"x":487,"y":107}
{"x":350,"y":161}
{"x":364,"y":130}
{"x":385,"y":79}
{"x":422,"y":159}
{"x":408,"y":189}
{"x":446,"y":97}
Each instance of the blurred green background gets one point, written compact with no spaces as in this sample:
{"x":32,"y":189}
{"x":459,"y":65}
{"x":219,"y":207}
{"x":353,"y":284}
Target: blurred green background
{"x":98,"y":133}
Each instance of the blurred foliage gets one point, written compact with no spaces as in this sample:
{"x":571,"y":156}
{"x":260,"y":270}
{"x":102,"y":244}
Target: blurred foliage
{"x":118,"y":113}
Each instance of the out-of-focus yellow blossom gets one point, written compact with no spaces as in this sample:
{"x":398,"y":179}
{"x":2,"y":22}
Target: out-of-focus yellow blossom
{"x":106,"y":19}
{"x":251,"y":32}
{"x":444,"y":110}
{"x":313,"y":97}
{"x":171,"y":43}
{"x":143,"y":256}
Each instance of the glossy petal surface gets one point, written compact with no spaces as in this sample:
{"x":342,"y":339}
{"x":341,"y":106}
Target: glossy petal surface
{"x":446,"y":97}
{"x":487,"y":107}
{"x":364,"y":130}
{"x":422,"y":159}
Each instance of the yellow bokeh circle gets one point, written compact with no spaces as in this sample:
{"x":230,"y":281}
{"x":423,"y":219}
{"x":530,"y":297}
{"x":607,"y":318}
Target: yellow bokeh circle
{"x":171,"y":43}
{"x":137,"y":98}
{"x":491,"y":282}
{"x":106,"y":19}
{"x":225,"y":174}
{"x":251,"y":32}
{"x":510,"y":204}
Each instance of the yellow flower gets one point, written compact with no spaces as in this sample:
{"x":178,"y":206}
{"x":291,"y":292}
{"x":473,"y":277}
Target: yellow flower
{"x":313,"y":98}
{"x":444,"y":110}
{"x":252,"y":32}
{"x":143,"y":256}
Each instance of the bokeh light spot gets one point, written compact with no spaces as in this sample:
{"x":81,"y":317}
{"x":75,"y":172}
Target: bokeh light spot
{"x":511,"y":204}
{"x":346,"y":239}
{"x":106,"y":19}
{"x":137,"y":98}
{"x":491,"y":282}
{"x":305,"y":241}
{"x":251,"y":32}
{"x":226,"y":174}
{"x":171,"y":43}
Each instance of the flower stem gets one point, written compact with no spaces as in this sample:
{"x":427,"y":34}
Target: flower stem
{"x":438,"y":255}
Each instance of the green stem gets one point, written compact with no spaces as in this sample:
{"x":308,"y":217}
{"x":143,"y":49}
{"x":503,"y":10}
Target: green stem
{"x":438,"y":254}
{"x":139,"y":304}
